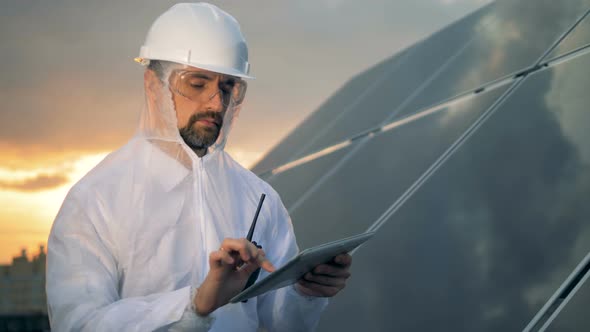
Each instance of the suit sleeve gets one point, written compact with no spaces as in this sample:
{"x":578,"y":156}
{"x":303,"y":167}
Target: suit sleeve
{"x":83,"y":282}
{"x":285,"y":309}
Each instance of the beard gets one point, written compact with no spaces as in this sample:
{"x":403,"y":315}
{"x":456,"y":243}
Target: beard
{"x":201,"y":138}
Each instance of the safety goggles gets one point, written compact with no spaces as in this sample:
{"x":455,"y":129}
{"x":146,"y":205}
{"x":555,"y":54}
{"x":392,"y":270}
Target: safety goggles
{"x":200,"y":86}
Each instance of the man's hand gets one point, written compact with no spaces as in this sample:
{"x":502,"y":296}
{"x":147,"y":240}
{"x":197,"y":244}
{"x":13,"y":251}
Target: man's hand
{"x":326,"y":280}
{"x":230,"y":267}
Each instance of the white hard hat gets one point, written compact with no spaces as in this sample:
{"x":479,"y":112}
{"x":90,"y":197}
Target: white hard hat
{"x":199,"y":35}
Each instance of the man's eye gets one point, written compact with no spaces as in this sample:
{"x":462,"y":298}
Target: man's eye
{"x":194,"y":81}
{"x":196,"y":84}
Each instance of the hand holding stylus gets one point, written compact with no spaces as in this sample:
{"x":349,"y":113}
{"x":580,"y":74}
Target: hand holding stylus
{"x":229,"y":270}
{"x":234,"y":267}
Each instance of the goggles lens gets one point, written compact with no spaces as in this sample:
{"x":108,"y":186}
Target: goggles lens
{"x":198,"y":87}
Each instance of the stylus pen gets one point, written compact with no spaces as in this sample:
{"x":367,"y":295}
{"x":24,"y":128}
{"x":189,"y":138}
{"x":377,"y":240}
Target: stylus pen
{"x":254,"y":274}
{"x":251,"y":231}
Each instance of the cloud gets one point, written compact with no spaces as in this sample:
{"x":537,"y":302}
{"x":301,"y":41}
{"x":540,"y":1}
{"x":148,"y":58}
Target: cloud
{"x":73,"y":87}
{"x":36,"y":183}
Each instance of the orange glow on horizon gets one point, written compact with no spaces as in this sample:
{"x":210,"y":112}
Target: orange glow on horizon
{"x":26,"y":216}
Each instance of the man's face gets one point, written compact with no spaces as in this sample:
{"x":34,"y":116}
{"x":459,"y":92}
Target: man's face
{"x":201,"y":99}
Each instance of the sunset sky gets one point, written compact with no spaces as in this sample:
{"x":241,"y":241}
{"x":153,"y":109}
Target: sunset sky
{"x":71,"y":92}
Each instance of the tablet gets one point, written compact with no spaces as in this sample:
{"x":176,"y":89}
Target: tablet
{"x":301,"y":264}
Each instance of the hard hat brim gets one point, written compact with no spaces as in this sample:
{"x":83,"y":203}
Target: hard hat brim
{"x":216,"y":69}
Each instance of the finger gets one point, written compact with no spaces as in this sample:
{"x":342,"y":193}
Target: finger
{"x":247,"y":270}
{"x":343,"y":260}
{"x":325,"y":280}
{"x":248,"y":251}
{"x":219,"y":257}
{"x":304,"y":290}
{"x":319,"y":290}
{"x":331,"y":270}
{"x":264,"y":263}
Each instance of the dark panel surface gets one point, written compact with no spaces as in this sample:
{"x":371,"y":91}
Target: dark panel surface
{"x":425,"y":58}
{"x":519,"y":33}
{"x":485,"y":242}
{"x":503,"y":38}
{"x":579,"y":37}
{"x":574,"y":316}
{"x":292,"y":183}
{"x":381,"y":171}
{"x":289,"y":149}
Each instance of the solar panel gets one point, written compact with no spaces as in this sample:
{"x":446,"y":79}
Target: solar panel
{"x":294,"y":182}
{"x":478,"y":49}
{"x":380,"y":171}
{"x":477,"y":178}
{"x":383,"y":99}
{"x":518,"y":34}
{"x":490,"y":235}
{"x":290,"y":148}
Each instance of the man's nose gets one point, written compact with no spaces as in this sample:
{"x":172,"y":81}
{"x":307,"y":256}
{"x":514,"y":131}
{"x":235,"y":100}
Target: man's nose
{"x":215,"y":101}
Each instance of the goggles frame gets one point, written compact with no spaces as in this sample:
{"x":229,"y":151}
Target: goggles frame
{"x":182,"y":83}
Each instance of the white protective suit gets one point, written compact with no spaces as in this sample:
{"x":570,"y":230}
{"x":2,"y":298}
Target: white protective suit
{"x":135,"y":233}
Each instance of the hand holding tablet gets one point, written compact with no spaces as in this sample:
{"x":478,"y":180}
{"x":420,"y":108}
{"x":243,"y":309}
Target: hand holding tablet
{"x":306,"y":260}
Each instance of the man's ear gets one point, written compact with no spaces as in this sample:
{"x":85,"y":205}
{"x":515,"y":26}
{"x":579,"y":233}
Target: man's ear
{"x":153,"y":87}
{"x":151,"y":81}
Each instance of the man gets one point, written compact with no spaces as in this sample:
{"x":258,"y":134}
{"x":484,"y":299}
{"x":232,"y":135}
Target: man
{"x":152,"y":238}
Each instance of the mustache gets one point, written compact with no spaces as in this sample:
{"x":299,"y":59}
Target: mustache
{"x":216,"y":116}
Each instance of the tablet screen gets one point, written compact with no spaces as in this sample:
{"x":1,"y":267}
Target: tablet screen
{"x":301,"y":264}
